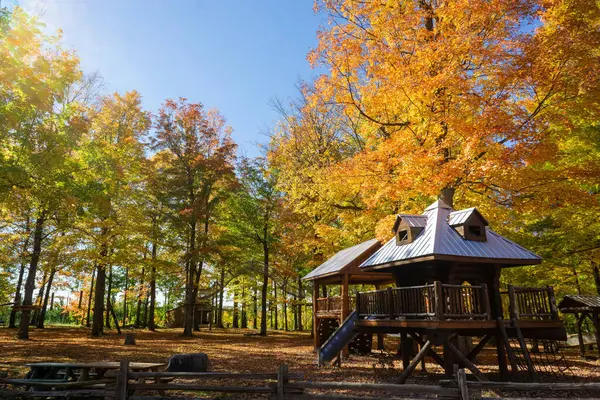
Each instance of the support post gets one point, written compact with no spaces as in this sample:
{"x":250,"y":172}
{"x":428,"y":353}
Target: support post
{"x":596,"y":322}
{"x":345,"y":311}
{"x":486,"y":301}
{"x":439,"y":300}
{"x":578,"y":322}
{"x":406,"y":350}
{"x":121,"y":388}
{"x":390,"y":304}
{"x":512,"y":299}
{"x":315,"y":319}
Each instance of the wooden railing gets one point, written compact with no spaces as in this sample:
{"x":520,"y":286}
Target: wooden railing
{"x":530,"y":303}
{"x":437,"y":301}
{"x":332,"y":304}
{"x":465,"y":302}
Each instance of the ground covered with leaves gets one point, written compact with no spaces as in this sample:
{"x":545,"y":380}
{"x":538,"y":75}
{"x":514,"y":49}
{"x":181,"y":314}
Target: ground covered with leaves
{"x":234,"y":350}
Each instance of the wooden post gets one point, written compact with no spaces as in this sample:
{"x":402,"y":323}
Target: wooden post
{"x":439,"y":300}
{"x":596,"y":322}
{"x":486,"y":301}
{"x":345,"y":311}
{"x":512,"y":299}
{"x":390,"y":304}
{"x":121,"y":389}
{"x":282,"y":379}
{"x":315,"y":319}
{"x":578,"y":322}
{"x":358,"y":310}
{"x":406,"y":350}
{"x":461,"y":376}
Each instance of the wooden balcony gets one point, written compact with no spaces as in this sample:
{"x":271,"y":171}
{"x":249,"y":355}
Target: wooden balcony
{"x":428,"y":302}
{"x":458,"y":307}
{"x":331,"y":307}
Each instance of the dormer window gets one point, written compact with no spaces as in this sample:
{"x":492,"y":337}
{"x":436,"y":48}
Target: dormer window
{"x":408,"y":227}
{"x":469,"y":224}
{"x":403,"y":235}
{"x":475,"y":230}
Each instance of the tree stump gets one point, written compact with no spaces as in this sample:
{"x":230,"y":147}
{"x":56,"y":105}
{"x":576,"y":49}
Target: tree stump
{"x":129,"y":338}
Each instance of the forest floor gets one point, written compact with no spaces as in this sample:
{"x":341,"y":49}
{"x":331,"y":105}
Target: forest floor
{"x":233,"y":350}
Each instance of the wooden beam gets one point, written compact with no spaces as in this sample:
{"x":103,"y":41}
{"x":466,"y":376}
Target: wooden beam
{"x":432,"y":352}
{"x":504,"y":341}
{"x":461,"y":357}
{"x":525,"y":351}
{"x":473,"y":353}
{"x":407,"y":371}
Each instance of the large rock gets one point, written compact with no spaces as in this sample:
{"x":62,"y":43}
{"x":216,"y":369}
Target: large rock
{"x":197,"y":362}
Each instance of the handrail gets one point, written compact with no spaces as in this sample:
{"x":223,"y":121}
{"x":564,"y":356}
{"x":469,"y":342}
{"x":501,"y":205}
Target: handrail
{"x":432,"y":301}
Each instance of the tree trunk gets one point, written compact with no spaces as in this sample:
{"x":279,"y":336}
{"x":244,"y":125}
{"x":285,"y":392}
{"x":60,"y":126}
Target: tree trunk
{"x":447,"y":196}
{"x":89,"y":306}
{"x":151,"y":325}
{"x":125,"y":297}
{"x":255,"y":303}
{"x":244,"y":313}
{"x":190,"y":279}
{"x":145,"y":320}
{"x":138,"y":313}
{"x":285,"y":316}
{"x":98,"y":320}
{"x":42,"y":316}
{"x":265,"y":287}
{"x":17,"y":302}
{"x":221,"y":293}
{"x":108,"y":293}
{"x":235,"y":323}
{"x":301,"y":303}
{"x":39,"y":300}
{"x":275,"y":305}
{"x":30,"y":283}
{"x":596,"y":276}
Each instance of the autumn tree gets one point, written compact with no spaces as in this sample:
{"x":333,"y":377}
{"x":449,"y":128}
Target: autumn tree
{"x":113,"y":154}
{"x":198,"y":149}
{"x":257,"y":205}
{"x":38,"y":140}
{"x":450,"y":97}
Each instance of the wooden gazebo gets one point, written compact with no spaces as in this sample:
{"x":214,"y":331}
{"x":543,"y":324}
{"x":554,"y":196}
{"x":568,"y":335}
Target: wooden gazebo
{"x":583,"y":307}
{"x":446,"y":265}
{"x":341,"y":270}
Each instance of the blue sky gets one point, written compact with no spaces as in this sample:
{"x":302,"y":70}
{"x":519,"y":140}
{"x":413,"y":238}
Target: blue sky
{"x":232,"y":55}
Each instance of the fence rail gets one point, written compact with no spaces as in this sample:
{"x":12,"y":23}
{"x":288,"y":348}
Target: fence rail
{"x":283,"y":385}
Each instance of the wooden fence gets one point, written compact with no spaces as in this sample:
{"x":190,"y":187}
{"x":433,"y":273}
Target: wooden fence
{"x":128,"y":385}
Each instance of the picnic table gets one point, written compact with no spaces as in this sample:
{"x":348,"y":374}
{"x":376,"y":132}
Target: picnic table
{"x":75,"y":375}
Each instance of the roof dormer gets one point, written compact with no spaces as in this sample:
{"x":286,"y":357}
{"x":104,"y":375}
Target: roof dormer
{"x":469,"y":224}
{"x":408,"y":227}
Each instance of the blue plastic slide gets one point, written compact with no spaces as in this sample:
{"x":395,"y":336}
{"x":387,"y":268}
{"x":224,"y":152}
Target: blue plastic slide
{"x":340,"y":338}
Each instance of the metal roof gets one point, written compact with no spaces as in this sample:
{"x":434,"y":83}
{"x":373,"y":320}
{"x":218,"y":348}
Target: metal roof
{"x":341,"y":259}
{"x":438,"y":238}
{"x":578,"y":300}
